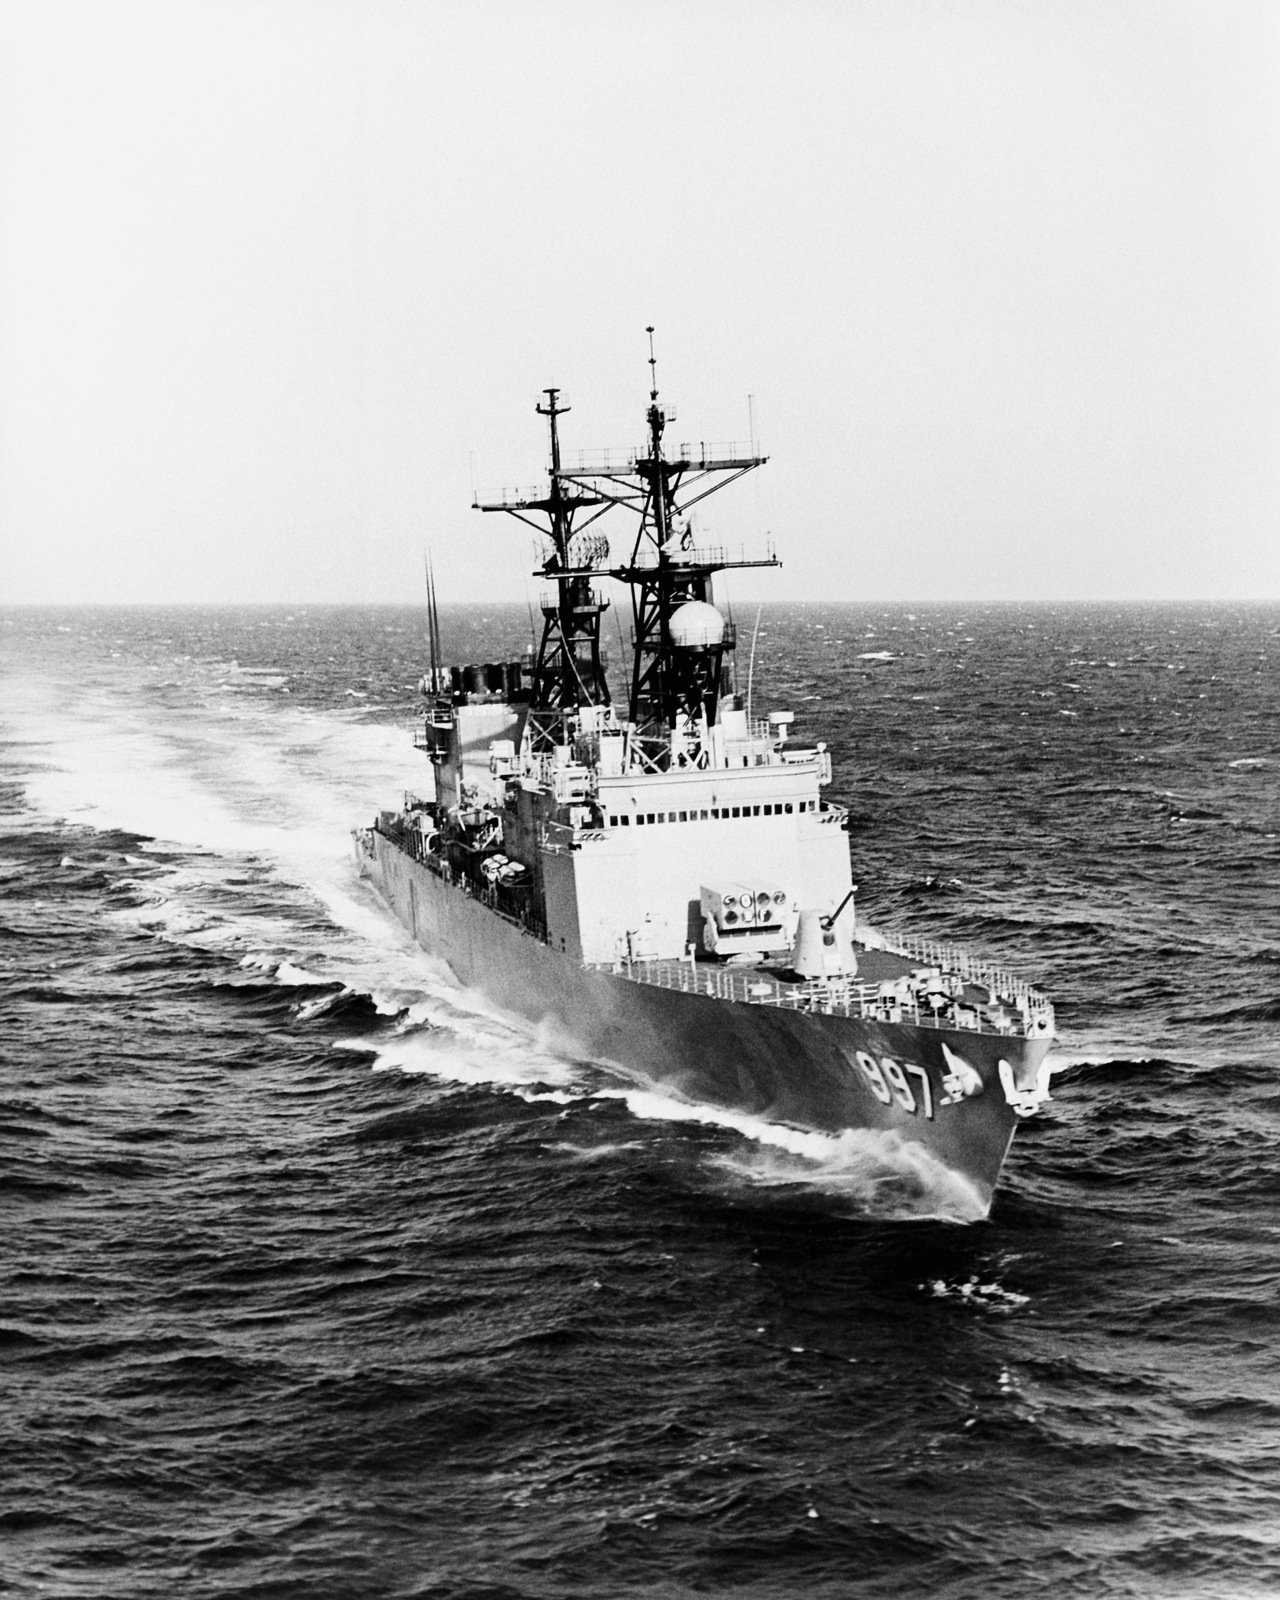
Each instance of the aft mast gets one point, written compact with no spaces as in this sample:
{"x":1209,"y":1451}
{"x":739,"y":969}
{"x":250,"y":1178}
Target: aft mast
{"x":681,"y":644}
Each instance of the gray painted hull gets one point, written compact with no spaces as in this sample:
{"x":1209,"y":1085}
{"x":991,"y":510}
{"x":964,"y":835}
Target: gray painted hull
{"x":800,"y":1069}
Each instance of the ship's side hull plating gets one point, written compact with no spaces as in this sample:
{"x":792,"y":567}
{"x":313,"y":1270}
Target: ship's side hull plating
{"x":938,"y":1088}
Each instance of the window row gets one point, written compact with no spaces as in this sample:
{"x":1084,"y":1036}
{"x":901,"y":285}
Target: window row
{"x":715,"y":814}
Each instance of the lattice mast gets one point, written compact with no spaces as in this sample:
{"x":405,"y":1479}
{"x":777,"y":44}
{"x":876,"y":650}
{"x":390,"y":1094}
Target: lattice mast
{"x":677,"y":678}
{"x":569,"y":669}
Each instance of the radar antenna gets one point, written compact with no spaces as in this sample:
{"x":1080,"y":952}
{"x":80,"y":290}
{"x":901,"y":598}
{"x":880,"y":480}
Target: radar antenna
{"x":677,"y":679}
{"x":676,"y":686}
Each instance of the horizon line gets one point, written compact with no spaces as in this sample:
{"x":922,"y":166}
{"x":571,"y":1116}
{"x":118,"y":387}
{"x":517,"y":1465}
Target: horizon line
{"x":521,"y":604}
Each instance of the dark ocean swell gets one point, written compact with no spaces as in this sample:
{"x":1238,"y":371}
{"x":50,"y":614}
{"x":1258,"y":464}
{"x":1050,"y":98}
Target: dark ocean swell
{"x":320,"y":1278}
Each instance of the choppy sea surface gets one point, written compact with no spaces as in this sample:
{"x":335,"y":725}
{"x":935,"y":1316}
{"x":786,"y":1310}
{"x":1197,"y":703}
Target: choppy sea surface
{"x":317,"y":1278}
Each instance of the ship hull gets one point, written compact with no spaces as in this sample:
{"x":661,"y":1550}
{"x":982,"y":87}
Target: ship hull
{"x":809,"y":1070}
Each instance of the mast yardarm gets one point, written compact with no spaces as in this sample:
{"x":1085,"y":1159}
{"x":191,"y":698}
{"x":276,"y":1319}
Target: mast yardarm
{"x":569,"y":670}
{"x":677,"y":680}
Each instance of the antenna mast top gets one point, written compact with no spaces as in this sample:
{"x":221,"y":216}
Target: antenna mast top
{"x":553,"y":410}
{"x":653,"y":365}
{"x":552,"y":407}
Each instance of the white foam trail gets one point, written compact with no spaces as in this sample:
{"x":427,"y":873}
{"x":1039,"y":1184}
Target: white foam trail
{"x":1100,"y":1056}
{"x":509,"y":1063}
{"x":267,"y":784}
{"x":858,"y":1164}
{"x":287,"y":973}
{"x":872,"y":1176}
{"x":306,"y":1010}
{"x":235,"y":779}
{"x":595,"y":1152}
{"x":982,"y":1296}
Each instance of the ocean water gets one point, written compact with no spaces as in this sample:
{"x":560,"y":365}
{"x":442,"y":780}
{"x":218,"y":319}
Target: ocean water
{"x":320,"y":1279}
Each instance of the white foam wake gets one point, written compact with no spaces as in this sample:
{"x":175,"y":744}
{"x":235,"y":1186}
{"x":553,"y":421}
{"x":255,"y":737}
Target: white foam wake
{"x":877,"y":1171}
{"x":259,"y":798}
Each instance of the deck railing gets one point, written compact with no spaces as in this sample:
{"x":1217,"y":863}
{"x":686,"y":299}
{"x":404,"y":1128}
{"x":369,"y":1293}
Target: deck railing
{"x":516,"y":496}
{"x":714,"y":555}
{"x":906,"y":999}
{"x":836,"y":996}
{"x":950,"y":958}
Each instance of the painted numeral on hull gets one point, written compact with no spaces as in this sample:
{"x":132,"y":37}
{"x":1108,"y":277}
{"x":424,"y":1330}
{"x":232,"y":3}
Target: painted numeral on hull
{"x":926,"y":1093}
{"x":889,"y":1083}
{"x":897,"y":1080}
{"x":871,"y":1071}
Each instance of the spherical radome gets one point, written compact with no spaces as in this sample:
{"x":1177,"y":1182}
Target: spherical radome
{"x":696,"y":625}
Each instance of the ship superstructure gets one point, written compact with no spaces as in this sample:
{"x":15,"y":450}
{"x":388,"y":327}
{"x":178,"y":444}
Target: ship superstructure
{"x":663,"y":882}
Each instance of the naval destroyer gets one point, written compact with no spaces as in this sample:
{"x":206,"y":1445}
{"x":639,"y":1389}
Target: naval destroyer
{"x":661,"y":883}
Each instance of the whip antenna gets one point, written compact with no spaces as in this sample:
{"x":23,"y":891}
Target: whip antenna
{"x":751,"y":663}
{"x":433,"y":624}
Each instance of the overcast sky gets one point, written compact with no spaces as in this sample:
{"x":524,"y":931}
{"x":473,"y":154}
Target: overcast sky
{"x":1003,"y":278}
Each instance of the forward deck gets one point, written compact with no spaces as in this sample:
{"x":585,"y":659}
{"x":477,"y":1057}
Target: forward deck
{"x":931,"y":986}
{"x":901,"y":977}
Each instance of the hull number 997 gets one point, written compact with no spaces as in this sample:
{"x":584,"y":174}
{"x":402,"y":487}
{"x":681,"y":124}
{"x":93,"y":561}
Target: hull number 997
{"x":907,"y":1085}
